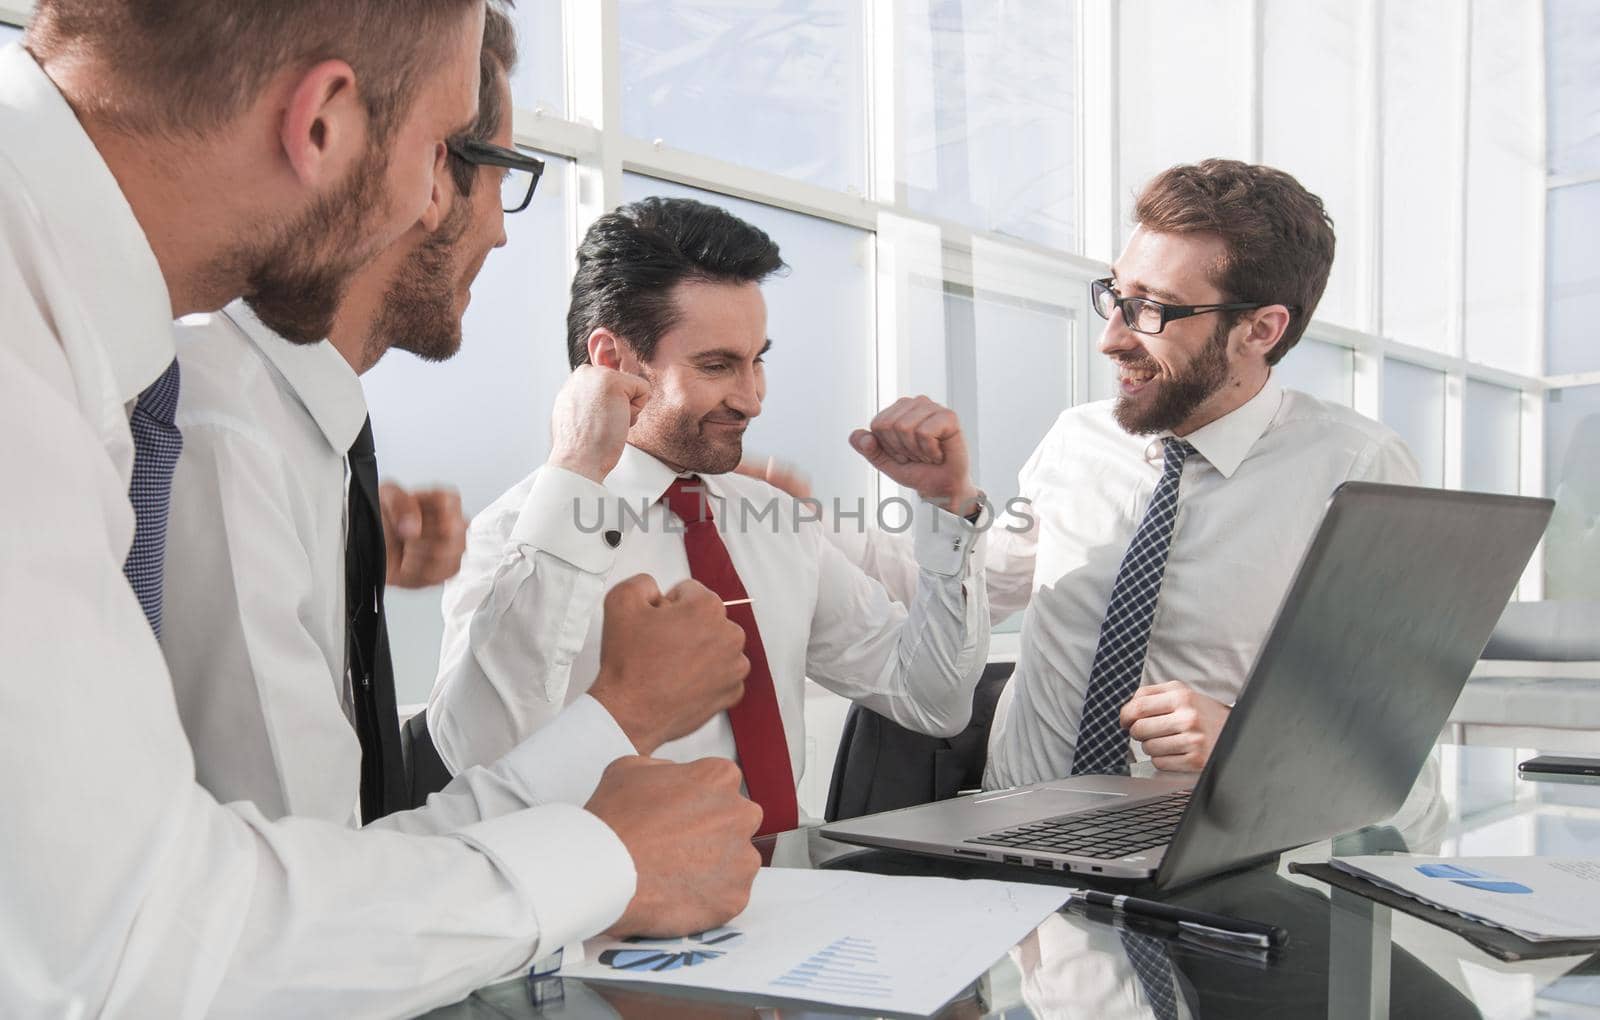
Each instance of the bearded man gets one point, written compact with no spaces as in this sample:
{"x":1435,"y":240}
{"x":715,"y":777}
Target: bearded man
{"x":1163,"y":526}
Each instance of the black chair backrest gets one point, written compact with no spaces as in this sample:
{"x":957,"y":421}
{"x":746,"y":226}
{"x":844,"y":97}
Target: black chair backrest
{"x":882,"y":766}
{"x":426,"y":771}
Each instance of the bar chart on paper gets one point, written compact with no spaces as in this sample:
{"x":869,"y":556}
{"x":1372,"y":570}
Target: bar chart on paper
{"x":876,"y":942}
{"x":849,"y":965}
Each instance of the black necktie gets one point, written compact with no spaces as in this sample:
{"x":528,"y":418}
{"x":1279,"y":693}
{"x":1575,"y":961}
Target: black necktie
{"x":371,"y":669}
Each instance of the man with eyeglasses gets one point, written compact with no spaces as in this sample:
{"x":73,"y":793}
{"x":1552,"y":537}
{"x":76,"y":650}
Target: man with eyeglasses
{"x":159,"y":160}
{"x":1164,"y":526}
{"x":274,"y":630}
{"x":276,"y":567}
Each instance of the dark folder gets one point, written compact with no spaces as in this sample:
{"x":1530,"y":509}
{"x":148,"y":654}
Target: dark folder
{"x":1497,"y":942}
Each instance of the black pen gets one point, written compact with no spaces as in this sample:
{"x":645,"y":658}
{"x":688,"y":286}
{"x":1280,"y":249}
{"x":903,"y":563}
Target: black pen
{"x":1195,"y":922}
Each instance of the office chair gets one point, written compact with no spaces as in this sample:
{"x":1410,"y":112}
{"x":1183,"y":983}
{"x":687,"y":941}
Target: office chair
{"x":425,"y":770}
{"x":881,"y":765}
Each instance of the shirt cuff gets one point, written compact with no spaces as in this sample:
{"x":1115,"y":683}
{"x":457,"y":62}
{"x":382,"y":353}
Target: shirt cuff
{"x":562,"y":762}
{"x":567,"y":515}
{"x":944,"y":542}
{"x":572,"y":866}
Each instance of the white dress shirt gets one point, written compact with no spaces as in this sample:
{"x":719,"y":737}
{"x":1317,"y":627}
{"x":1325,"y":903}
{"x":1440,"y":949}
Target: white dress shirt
{"x":1074,"y":968}
{"x":255,"y":636}
{"x":125,"y":888}
{"x":523,"y":618}
{"x":1249,"y":501}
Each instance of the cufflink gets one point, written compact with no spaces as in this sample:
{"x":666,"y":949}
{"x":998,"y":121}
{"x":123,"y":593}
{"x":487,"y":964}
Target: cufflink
{"x":613,"y":538}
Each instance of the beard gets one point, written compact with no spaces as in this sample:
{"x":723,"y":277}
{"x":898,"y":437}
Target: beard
{"x":678,"y":438}
{"x":1173,"y":401}
{"x":418,"y":313}
{"x":297,"y":277}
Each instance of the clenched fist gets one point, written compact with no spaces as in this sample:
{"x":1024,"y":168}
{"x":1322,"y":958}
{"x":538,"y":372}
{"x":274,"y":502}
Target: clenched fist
{"x":919,"y":444}
{"x":1175,"y":725}
{"x":688,"y":830}
{"x":668,"y":662}
{"x":593,"y":413}
{"x":424,"y":535}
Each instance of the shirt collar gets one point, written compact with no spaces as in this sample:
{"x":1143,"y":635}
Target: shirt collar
{"x":319,"y":376}
{"x":639,"y":477}
{"x":93,"y":229}
{"x":1226,"y":442}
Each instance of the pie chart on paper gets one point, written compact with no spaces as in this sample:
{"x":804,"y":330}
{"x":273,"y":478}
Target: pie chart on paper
{"x":647,"y":954}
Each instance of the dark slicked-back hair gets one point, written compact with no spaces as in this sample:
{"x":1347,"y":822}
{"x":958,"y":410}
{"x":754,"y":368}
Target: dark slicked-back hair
{"x":1278,"y":236}
{"x":631,"y":259}
{"x":499,"y":57}
{"x":187,"y":67}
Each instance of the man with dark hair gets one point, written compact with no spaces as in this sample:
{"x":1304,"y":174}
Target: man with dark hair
{"x":667,"y":334}
{"x":141,"y":179}
{"x":1164,"y":525}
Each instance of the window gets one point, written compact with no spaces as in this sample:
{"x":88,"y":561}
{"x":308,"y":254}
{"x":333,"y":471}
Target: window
{"x":1326,"y":371}
{"x":1413,"y":405}
{"x":1572,"y":280}
{"x":1311,"y":70}
{"x":1491,"y":446}
{"x":1572,"y":473}
{"x":1504,"y":182}
{"x":988,"y":115}
{"x":775,"y":86}
{"x":479,"y":422}
{"x":539,"y":83}
{"x":1010,"y":377}
{"x":821,"y":369}
{"x":1572,"y":75}
{"x":1424,"y":107}
{"x":1165,"y":114}
{"x":946,"y":176}
{"x":1008,"y":364}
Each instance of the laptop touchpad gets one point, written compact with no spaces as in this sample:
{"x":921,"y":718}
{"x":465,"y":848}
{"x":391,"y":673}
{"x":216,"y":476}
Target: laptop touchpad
{"x":1040,"y":802}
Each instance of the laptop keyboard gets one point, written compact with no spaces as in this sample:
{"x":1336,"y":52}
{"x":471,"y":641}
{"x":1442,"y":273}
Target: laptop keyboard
{"x":1107,"y":833}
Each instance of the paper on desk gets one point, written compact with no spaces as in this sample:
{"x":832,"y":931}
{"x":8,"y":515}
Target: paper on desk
{"x":1538,"y":898}
{"x":876,"y":942}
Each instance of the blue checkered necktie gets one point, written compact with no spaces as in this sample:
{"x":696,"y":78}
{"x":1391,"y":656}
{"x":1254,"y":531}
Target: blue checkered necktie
{"x":1125,"y":634}
{"x":156,"y":445}
{"x":1153,"y":969}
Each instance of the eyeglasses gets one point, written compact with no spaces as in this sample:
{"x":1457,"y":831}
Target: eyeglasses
{"x":521,"y":175}
{"x":1145,"y":316}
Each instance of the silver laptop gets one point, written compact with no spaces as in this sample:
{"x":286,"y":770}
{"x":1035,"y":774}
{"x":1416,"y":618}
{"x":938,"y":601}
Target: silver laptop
{"x":1391,"y":606}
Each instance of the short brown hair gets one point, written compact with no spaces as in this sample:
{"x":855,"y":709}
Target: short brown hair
{"x":186,"y":67}
{"x":1278,"y":236}
{"x":498,"y":57}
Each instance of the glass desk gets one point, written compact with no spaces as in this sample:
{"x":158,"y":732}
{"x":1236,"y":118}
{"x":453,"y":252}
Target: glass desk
{"x":1347,"y":956}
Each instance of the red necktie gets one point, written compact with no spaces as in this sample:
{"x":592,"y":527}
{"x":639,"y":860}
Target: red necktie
{"x":757,"y":728}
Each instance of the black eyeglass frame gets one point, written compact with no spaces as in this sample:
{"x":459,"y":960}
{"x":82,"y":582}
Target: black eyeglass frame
{"x":1168,"y":313}
{"x":480,"y":153}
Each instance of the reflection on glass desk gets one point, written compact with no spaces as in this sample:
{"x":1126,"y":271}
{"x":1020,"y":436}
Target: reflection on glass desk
{"x":1347,"y":956}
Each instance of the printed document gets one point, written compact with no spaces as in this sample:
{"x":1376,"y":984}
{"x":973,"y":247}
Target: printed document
{"x":1538,"y":898}
{"x":874,"y":942}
